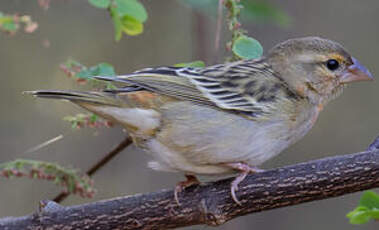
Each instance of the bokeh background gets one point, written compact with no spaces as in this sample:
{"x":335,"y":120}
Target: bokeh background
{"x":173,"y":33}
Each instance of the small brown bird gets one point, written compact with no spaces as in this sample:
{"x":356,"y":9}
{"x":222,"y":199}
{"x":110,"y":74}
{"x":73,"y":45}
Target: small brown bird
{"x":225,"y":118}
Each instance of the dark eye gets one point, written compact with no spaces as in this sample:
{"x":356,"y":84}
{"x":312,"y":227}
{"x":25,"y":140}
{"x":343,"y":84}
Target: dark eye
{"x":332,"y":64}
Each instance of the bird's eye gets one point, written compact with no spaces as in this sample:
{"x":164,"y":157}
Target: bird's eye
{"x":332,"y":64}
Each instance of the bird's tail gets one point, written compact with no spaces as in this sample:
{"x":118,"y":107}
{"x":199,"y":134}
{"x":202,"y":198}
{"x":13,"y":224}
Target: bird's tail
{"x":78,"y":97}
{"x":109,"y":105}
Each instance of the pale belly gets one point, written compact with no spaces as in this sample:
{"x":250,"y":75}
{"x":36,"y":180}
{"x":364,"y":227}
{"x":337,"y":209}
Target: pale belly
{"x":198,"y":140}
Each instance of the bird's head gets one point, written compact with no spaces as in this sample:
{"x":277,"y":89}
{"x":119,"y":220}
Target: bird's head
{"x":316,"y":68}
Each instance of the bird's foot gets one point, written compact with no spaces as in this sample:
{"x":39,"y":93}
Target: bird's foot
{"x":244,"y":171}
{"x":191,"y":180}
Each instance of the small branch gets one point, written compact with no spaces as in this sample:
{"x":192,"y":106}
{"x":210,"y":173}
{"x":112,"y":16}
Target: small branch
{"x":211,"y":204}
{"x":125,"y":143}
{"x":110,"y":155}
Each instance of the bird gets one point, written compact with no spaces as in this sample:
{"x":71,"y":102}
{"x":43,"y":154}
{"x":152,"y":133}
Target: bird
{"x":226,"y":118}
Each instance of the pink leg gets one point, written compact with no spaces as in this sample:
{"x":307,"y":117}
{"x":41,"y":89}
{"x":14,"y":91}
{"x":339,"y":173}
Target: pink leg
{"x":191,"y":180}
{"x":244,"y":171}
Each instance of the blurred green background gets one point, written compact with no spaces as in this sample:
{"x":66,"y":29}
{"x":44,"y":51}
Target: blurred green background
{"x":173,"y":33}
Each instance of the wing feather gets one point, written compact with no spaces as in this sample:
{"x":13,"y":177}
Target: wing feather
{"x":249,"y":86}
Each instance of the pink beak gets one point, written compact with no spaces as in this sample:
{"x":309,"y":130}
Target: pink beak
{"x":356,"y":72}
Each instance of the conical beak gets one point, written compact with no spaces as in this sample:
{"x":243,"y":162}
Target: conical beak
{"x":356,"y":72}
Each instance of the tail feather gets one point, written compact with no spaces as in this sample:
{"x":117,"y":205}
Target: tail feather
{"x":105,"y":98}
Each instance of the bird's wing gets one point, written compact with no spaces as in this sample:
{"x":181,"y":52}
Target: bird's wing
{"x":250,"y":87}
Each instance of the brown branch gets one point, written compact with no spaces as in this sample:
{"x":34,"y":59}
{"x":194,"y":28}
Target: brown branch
{"x":211,"y":204}
{"x":109,"y":156}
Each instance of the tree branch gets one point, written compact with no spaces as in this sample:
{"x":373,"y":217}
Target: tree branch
{"x":211,"y":203}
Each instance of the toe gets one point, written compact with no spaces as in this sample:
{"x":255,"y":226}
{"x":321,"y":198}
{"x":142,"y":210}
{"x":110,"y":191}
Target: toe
{"x":233,"y":190}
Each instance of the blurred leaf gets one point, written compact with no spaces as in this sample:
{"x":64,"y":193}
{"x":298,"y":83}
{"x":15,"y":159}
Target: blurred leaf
{"x":102,"y":69}
{"x":131,"y":26}
{"x":199,"y":64}
{"x":262,"y":11}
{"x":93,"y":118}
{"x":103,"y":4}
{"x":9,"y":25}
{"x":360,"y":215}
{"x":68,"y":178}
{"x":247,"y":48}
{"x":132,"y":8}
{"x":367,"y":210}
{"x":87,"y":120}
{"x":370,"y":200}
{"x":116,"y":23}
{"x":128,"y":17}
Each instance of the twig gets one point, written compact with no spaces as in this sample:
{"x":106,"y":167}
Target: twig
{"x":211,"y":204}
{"x":110,"y":155}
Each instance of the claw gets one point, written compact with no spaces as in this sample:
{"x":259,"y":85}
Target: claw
{"x":245,"y":170}
{"x":191,"y":180}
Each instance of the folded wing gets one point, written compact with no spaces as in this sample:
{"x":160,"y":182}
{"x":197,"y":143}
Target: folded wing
{"x":249,"y":87}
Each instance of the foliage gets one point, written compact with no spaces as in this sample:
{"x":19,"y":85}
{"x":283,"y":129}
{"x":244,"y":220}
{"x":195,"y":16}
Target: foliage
{"x":368,"y":209}
{"x":83,"y":74}
{"x":87,"y":120}
{"x":247,"y":47}
{"x":12,"y":23}
{"x":243,"y":47}
{"x":67,"y":178}
{"x":128,"y":15}
{"x":199,"y":64}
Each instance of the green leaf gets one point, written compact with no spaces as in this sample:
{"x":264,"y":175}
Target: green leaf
{"x":84,"y":74}
{"x":132,"y":8}
{"x":131,"y":26}
{"x":262,"y":11}
{"x":367,"y":210}
{"x":370,"y":200}
{"x":103,"y":4}
{"x":199,"y":64}
{"x":359,"y":215}
{"x":116,"y":23}
{"x":8,"y":23}
{"x":105,"y":69}
{"x":9,"y":26}
{"x":102,"y":69}
{"x":93,"y":118}
{"x":247,"y":48}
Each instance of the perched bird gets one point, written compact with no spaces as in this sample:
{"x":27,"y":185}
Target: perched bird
{"x":225,"y":118}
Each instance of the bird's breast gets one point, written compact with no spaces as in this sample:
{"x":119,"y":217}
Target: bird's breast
{"x":199,"y":139}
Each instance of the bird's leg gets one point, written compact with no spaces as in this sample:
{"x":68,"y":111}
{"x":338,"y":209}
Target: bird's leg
{"x":191,"y":180}
{"x":244,"y":170}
